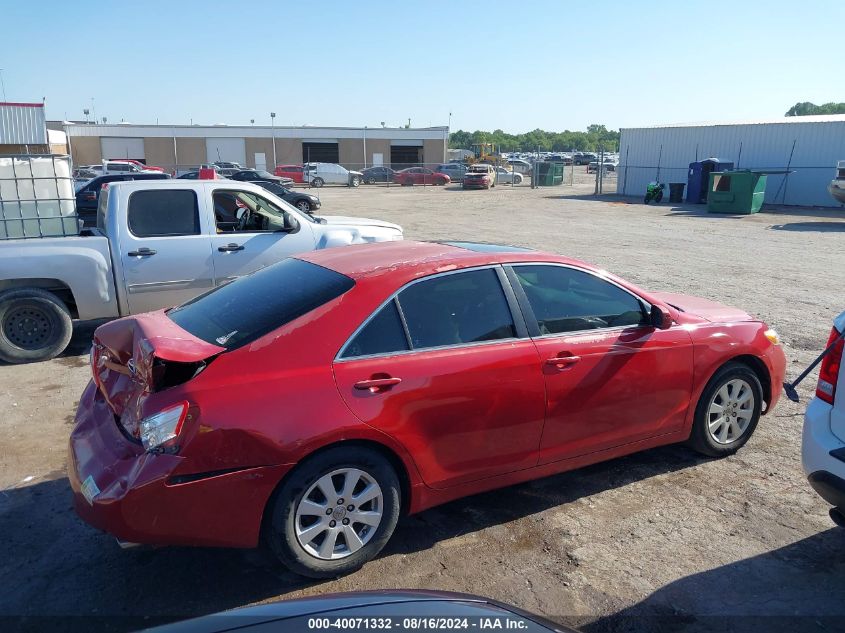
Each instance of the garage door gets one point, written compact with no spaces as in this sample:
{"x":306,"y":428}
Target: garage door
{"x":117,"y":147}
{"x":228,"y":149}
{"x":403,"y":156}
{"x":320,"y":152}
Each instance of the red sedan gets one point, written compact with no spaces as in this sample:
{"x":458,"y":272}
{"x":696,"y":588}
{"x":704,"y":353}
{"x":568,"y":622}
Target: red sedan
{"x":420,"y":176}
{"x":314,"y":401}
{"x":290,"y":171}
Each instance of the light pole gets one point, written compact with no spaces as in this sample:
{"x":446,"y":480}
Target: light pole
{"x":273,"y":128}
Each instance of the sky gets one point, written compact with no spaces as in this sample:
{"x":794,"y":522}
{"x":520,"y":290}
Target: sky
{"x":513,"y":65}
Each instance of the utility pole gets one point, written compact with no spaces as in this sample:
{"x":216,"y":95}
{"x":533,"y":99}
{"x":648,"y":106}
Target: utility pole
{"x":273,"y":129}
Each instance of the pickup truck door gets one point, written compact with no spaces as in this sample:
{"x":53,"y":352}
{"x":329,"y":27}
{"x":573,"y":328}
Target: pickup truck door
{"x":165,"y":252}
{"x":252,"y":232}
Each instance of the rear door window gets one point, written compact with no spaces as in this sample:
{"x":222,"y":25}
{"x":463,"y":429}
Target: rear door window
{"x":383,"y":334}
{"x":163,"y":213}
{"x":251,"y":306}
{"x":455,"y":309}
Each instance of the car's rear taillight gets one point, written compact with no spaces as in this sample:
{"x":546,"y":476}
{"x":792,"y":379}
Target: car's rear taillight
{"x":163,"y":427}
{"x":829,"y":372}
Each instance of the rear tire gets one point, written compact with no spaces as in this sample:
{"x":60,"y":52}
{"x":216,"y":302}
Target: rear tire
{"x":288,"y":525}
{"x":736,"y":382}
{"x":35,"y":325}
{"x":659,"y":196}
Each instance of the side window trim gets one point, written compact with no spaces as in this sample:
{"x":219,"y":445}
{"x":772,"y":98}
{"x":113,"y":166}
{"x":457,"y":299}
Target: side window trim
{"x":522,"y":332}
{"x":528,"y":311}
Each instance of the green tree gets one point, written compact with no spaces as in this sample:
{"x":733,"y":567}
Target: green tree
{"x":806,"y":108}
{"x":597,"y":136}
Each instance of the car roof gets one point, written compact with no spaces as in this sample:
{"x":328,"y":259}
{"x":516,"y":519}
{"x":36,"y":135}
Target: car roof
{"x":408,"y":259}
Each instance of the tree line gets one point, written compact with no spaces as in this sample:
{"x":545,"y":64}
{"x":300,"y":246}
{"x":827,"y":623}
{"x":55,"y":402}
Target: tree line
{"x":805,"y":108}
{"x":595,"y":138}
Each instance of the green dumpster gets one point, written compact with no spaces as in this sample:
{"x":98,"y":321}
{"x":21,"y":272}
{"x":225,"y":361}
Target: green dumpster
{"x":549,"y":174}
{"x":740,"y":191}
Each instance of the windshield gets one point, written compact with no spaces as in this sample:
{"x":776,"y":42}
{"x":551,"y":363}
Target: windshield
{"x":264,"y":174}
{"x":251,"y":306}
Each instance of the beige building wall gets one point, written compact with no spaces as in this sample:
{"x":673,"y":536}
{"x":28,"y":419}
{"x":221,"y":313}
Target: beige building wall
{"x":288,"y":151}
{"x":433,"y":151}
{"x":159,"y":152}
{"x":350,"y":152}
{"x":378,"y":146}
{"x":264,"y":146}
{"x":191,"y":152}
{"x":86,"y":150}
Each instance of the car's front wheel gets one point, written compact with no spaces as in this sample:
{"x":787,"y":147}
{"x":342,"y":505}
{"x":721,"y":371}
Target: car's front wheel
{"x":727,"y":412}
{"x":356,"y":181}
{"x":334,"y":512}
{"x":304,"y":206}
{"x":317,"y":182}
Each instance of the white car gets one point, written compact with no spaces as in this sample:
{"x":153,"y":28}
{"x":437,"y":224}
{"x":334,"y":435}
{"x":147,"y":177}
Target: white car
{"x":823,"y":443}
{"x":319,"y":174}
{"x":503,"y":176}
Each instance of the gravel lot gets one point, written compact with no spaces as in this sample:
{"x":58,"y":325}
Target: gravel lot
{"x":663,"y":540}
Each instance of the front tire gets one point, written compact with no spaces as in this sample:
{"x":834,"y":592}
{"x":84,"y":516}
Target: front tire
{"x":35,"y":325}
{"x":317,"y":182}
{"x":727,"y":412}
{"x":312,"y":529}
{"x":304,"y":206}
{"x":356,"y":181}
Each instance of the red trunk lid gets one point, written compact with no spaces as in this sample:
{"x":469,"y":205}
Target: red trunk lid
{"x":131,"y":355}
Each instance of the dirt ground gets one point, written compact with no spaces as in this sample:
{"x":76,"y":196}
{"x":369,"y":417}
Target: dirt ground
{"x":662,"y":540}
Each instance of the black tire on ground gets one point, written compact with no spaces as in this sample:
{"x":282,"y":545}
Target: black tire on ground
{"x":280,"y":528}
{"x":659,"y":196}
{"x":35,"y":325}
{"x":646,"y":200}
{"x":700,"y":438}
{"x":304,"y":206}
{"x":317,"y":182}
{"x":355,"y":181}
{"x":370,"y":180}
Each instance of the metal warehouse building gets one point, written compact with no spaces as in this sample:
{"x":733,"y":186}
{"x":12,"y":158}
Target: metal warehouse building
{"x":180,"y":148}
{"x":809,"y":146}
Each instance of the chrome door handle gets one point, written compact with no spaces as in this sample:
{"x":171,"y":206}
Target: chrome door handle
{"x":229,"y":248}
{"x":142,"y":252}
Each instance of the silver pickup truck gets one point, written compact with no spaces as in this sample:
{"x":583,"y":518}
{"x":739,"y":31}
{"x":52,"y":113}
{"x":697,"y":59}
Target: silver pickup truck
{"x":157,"y":244}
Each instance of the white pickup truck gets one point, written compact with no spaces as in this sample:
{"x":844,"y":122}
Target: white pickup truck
{"x":157,"y":244}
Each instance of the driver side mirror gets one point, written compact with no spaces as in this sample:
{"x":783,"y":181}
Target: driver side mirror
{"x":660,"y":317}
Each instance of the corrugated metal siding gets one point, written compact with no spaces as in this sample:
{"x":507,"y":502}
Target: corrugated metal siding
{"x":22,"y":124}
{"x":818,"y":146}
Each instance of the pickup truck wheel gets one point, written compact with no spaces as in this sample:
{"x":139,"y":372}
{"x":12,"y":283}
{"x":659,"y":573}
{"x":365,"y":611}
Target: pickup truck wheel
{"x":317,"y":182}
{"x":35,"y":325}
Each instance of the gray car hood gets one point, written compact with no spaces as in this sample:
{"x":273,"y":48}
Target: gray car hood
{"x":342,"y":220}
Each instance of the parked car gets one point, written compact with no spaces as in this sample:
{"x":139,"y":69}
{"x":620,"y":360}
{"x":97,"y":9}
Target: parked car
{"x":608,"y":165}
{"x":260,"y":175}
{"x":116,"y":167}
{"x":389,"y":610}
{"x":391,"y":378}
{"x":823,"y":444}
{"x":319,"y":174}
{"x":583,"y":158}
{"x":455,"y":171}
{"x":519,"y":165}
{"x":294,"y":172}
{"x":227,"y":164}
{"x":303,"y":201}
{"x":380,"y":173}
{"x":227,"y":172}
{"x":159,"y":243}
{"x":507,"y":177}
{"x":194,"y":174}
{"x":420,"y":176}
{"x":88,"y":193}
{"x":480,"y":176}
{"x":138,"y":164}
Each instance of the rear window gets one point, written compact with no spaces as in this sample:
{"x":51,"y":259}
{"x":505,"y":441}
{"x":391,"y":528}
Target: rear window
{"x":163,"y":212}
{"x":251,"y":306}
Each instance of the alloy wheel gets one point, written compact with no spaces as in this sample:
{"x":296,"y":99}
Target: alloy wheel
{"x":730,"y":411}
{"x":339,"y":514}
